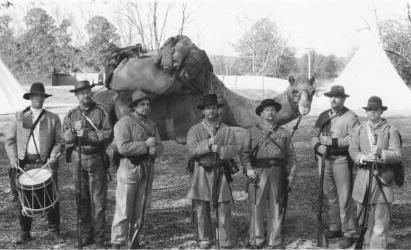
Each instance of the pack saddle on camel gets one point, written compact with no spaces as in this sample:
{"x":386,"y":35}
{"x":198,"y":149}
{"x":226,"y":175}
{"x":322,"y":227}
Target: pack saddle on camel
{"x":176,"y":78}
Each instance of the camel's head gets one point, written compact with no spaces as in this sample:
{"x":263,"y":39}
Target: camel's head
{"x":300,"y":94}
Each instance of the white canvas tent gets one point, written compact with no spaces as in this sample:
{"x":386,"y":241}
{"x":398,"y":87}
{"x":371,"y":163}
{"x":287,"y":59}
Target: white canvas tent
{"x":369,"y":72}
{"x":11,"y":92}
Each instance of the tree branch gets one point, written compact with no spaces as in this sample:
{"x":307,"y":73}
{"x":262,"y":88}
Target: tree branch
{"x":164,"y":23}
{"x":398,"y":54}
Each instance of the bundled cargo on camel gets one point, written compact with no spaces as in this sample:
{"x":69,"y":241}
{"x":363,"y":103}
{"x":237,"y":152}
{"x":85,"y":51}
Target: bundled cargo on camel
{"x":179,"y":57}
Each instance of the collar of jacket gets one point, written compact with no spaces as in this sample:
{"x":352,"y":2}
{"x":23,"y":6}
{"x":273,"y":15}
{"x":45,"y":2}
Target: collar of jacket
{"x":87,"y":107}
{"x":215,"y":125}
{"x":139,"y":117}
{"x":263,"y":126}
{"x":35,"y":112}
{"x":381,"y":123}
{"x":338,"y":113}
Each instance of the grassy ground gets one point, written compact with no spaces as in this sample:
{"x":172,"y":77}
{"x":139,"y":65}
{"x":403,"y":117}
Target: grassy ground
{"x":168,"y":224}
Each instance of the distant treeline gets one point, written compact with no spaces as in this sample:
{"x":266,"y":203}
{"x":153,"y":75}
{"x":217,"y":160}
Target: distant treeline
{"x":46,"y":45}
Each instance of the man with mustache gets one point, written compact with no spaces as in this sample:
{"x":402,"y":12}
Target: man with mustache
{"x":89,"y":122}
{"x":272,"y":164}
{"x":212,"y":144}
{"x":331,"y":137}
{"x":34,"y":139}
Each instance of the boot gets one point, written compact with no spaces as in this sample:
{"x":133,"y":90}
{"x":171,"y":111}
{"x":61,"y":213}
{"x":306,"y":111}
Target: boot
{"x":87,"y":241}
{"x":333,"y":234}
{"x":115,"y":246}
{"x":345,"y":242}
{"x":23,"y":238}
{"x":56,"y":236}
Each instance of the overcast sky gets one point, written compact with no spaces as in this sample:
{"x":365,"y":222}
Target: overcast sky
{"x":328,"y":26}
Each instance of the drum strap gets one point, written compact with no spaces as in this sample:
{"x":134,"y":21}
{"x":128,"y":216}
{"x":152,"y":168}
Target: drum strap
{"x":32,"y":131}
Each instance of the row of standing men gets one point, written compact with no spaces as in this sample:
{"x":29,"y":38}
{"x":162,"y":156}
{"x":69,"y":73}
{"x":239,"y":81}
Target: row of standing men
{"x":267,"y":155}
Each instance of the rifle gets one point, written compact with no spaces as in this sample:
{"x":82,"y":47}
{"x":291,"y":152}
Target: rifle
{"x":365,"y":208}
{"x":321,"y":239}
{"x":216,"y":187}
{"x":78,"y":195}
{"x":367,"y":198}
{"x":285,"y":201}
{"x":255,"y":184}
{"x":134,"y":242}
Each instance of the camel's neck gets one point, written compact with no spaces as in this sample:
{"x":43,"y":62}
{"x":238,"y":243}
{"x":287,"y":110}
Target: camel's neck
{"x":240,"y":111}
{"x":287,"y":112}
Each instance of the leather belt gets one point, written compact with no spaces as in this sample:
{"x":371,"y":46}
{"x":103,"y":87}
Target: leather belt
{"x":32,"y":159}
{"x":270,"y":162}
{"x":89,"y":151}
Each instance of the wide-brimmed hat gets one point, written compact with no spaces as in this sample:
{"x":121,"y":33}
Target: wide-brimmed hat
{"x":336,"y":90}
{"x":210,"y":99}
{"x":374,"y":103}
{"x":137,"y":96}
{"x":80,"y":85}
{"x":267,"y":103}
{"x":36,"y":88}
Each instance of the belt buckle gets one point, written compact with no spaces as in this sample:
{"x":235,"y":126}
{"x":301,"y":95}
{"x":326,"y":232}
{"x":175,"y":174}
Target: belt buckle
{"x":272,"y":162}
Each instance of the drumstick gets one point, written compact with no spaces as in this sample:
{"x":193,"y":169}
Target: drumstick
{"x":47,"y":163}
{"x":24,"y":172}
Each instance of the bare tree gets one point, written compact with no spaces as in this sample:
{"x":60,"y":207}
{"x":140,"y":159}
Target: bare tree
{"x":5,"y":4}
{"x":146,"y":20}
{"x":261,"y":48}
{"x":185,"y":16}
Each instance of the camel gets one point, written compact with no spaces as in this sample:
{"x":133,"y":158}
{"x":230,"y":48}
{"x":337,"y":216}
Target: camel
{"x":174,"y":108}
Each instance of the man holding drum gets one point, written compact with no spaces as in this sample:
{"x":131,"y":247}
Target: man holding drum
{"x":33,"y":140}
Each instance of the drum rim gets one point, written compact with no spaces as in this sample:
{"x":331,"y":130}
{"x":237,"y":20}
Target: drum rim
{"x":36,"y":186}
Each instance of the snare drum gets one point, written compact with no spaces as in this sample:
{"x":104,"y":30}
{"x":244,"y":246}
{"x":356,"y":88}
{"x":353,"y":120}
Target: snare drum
{"x":37,"y":192}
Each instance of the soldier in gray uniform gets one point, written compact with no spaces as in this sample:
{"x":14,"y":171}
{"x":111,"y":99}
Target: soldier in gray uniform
{"x":89,"y":122}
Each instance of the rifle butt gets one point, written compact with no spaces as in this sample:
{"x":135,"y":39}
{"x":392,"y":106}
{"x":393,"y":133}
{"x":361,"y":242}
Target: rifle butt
{"x":321,"y":239}
{"x":360,"y":240}
{"x":134,"y":241}
{"x":78,"y":198}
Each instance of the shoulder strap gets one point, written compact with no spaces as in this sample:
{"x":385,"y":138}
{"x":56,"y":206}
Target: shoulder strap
{"x":372,"y":137}
{"x":32,"y":130}
{"x":90,"y":122}
{"x":262,"y":139}
{"x":325,"y":122}
{"x":151,"y":133}
{"x":37,"y":121}
{"x":207,"y":128}
{"x":276,"y":143}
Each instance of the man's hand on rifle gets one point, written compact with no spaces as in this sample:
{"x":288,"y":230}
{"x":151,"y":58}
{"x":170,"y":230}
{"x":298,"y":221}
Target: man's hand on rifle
{"x":214,"y":148}
{"x":326,"y":140}
{"x":371,"y":157}
{"x":152,"y":150}
{"x":252,"y":174}
{"x":151,"y":142}
{"x":211,"y":140}
{"x":373,"y":149}
{"x":322,"y":149}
